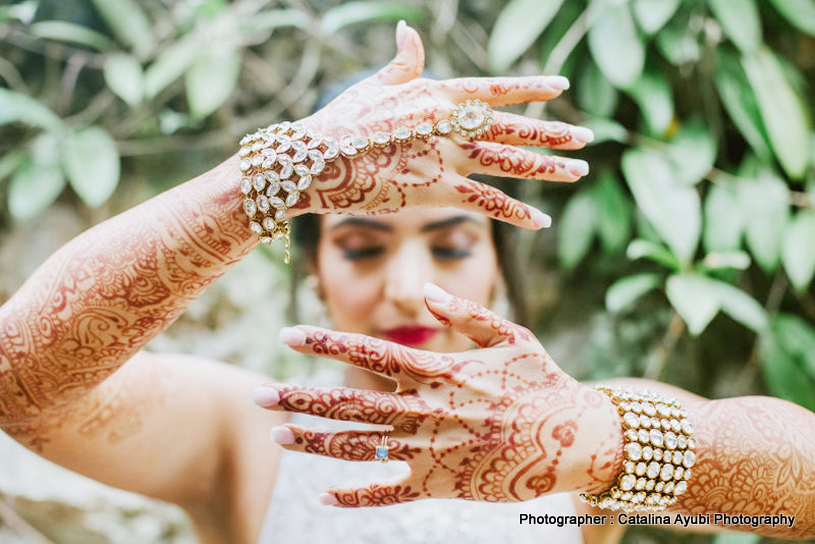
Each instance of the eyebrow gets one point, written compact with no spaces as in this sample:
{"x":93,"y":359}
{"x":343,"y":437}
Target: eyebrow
{"x":385,"y":227}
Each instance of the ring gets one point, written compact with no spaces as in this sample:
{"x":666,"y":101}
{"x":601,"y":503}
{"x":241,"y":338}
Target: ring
{"x":381,"y":452}
{"x":472,"y":118}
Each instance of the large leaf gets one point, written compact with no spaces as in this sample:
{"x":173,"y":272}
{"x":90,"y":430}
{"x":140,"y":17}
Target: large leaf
{"x":764,"y":204}
{"x":740,"y":102}
{"x":677,"y":42}
{"x":17,"y":107}
{"x":123,"y":74}
{"x":212,"y":78}
{"x":782,"y":110}
{"x":724,"y":260}
{"x":350,"y":13}
{"x":594,"y":92}
{"x":673,"y":209}
{"x":91,"y":162}
{"x":653,"y":95}
{"x":692,"y":152}
{"x":695,"y":298}
{"x":606,"y":130}
{"x":798,"y":249}
{"x":800,"y":13}
{"x":624,"y":292}
{"x":613,"y":212}
{"x":783,"y":365}
{"x":736,"y":538}
{"x":616,"y":46}
{"x":517,"y":27}
{"x":64,"y":31}
{"x":275,"y":18}
{"x":740,"y":21}
{"x":797,"y":338}
{"x":741,"y":307}
{"x":170,"y":65}
{"x":576,"y":229}
{"x":129,"y":23}
{"x":646,"y":249}
{"x":38,"y":181}
{"x":653,"y":14}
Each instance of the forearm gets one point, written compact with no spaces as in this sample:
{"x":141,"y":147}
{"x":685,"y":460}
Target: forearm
{"x":108,"y":292}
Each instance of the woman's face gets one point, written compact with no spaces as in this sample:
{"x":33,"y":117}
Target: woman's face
{"x":372,"y":271}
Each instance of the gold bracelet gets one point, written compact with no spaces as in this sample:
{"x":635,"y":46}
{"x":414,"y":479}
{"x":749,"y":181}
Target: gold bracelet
{"x":658,"y":449}
{"x":279,"y":162}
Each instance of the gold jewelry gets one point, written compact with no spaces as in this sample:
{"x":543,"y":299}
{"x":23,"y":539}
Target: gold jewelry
{"x":658,"y":450}
{"x":381,"y":451}
{"x":279,"y":162}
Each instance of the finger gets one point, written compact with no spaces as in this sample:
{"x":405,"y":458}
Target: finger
{"x":509,"y":128}
{"x":380,"y":356}
{"x":398,"y":490}
{"x":496,"y":159}
{"x":345,"y":445}
{"x":477,"y":323}
{"x":404,"y":411}
{"x":469,"y":194}
{"x":408,"y":63}
{"x":504,"y":91}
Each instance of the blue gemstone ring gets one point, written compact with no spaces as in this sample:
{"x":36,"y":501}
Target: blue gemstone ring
{"x":381,"y":452}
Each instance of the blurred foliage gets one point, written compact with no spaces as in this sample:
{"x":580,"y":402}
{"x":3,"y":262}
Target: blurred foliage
{"x":698,"y":214}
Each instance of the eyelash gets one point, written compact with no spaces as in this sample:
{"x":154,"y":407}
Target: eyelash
{"x":441,"y":253}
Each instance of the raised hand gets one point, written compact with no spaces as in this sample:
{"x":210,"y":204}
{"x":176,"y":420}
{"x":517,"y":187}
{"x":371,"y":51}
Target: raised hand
{"x":431,"y":171}
{"x":501,"y":423}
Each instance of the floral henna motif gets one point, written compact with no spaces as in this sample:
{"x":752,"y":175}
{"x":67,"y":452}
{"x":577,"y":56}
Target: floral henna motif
{"x":492,"y":201}
{"x":376,"y":495}
{"x":510,"y":160}
{"x":351,"y":446}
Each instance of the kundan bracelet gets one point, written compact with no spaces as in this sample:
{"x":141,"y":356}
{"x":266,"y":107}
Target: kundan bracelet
{"x":279,"y":162}
{"x":658,"y":451}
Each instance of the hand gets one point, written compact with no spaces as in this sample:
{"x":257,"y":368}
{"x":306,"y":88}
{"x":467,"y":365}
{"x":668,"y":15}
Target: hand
{"x":501,"y":423}
{"x":432,"y":172}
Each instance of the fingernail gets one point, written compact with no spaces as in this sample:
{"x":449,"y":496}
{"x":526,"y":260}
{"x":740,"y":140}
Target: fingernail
{"x":541,"y":220}
{"x":292,"y":336}
{"x":436,"y":294}
{"x":401,"y":33}
{"x":583,"y":134}
{"x":327,"y":499}
{"x":578,"y":167}
{"x":559,"y":82}
{"x":281,"y":435}
{"x":265,"y":396}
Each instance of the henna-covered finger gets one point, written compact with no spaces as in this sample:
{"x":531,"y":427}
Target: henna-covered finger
{"x":408,"y":63}
{"x":479,"y":324}
{"x":513,"y":129}
{"x":496,"y":159}
{"x":394,"y":491}
{"x":505,"y":91}
{"x":379,"y":356}
{"x":469,"y":194}
{"x":346,"y":445}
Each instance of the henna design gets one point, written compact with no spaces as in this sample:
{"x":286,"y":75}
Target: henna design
{"x":502,"y":159}
{"x":492,"y":201}
{"x":351,"y":446}
{"x":376,"y":495}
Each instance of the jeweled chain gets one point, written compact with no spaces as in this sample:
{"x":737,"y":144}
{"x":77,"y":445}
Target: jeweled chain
{"x":279,"y":162}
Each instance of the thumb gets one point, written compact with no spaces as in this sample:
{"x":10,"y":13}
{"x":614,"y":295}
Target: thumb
{"x":408,"y":63}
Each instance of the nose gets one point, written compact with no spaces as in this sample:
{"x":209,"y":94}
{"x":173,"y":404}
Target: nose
{"x":407,"y":271}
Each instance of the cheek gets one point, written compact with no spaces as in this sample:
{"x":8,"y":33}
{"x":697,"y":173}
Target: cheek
{"x":475,"y":279}
{"x":349,"y":297}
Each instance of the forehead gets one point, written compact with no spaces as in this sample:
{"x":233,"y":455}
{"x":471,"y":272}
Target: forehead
{"x":410,"y":220}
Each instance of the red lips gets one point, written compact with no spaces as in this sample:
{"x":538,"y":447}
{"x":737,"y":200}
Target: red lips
{"x":409,"y":335}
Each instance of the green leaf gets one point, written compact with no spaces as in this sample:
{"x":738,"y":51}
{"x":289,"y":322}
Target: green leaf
{"x":275,"y":18}
{"x":576,"y":229}
{"x":91,"y":162}
{"x":740,"y":22}
{"x":652,"y":93}
{"x":741,"y":307}
{"x":674,"y":210}
{"x":123,"y":74}
{"x":606,"y":130}
{"x":624,"y":292}
{"x":212,"y":78}
{"x":17,"y":107}
{"x":613,"y":212}
{"x":11,"y":161}
{"x":594,"y":92}
{"x":677,"y":43}
{"x":694,"y":297}
{"x":736,"y":538}
{"x":63,"y":31}
{"x":764,"y":204}
{"x":797,"y":337}
{"x":350,"y":13}
{"x":128,"y":23}
{"x":799,"y":13}
{"x":639,"y":249}
{"x":716,"y":260}
{"x":798,"y":249}
{"x":782,"y":111}
{"x":170,"y":65}
{"x":616,"y":47}
{"x":692,"y":152}
{"x":517,"y":27}
{"x":786,"y":370}
{"x":653,"y":14}
{"x":741,"y":104}
{"x":38,"y":181}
